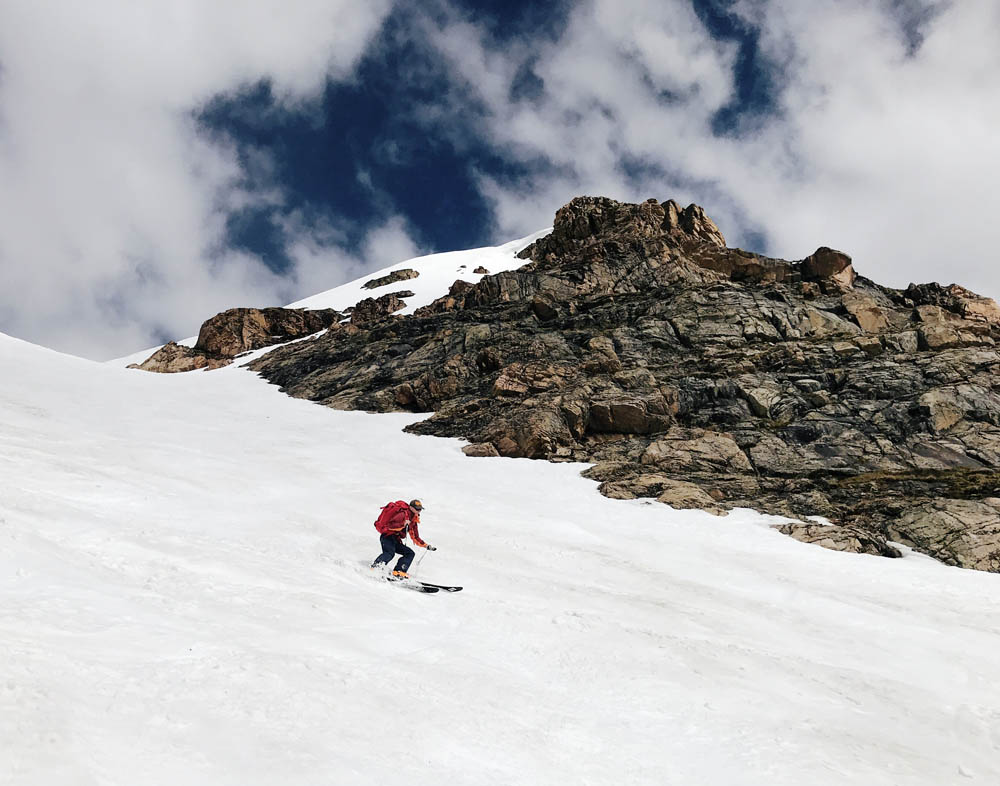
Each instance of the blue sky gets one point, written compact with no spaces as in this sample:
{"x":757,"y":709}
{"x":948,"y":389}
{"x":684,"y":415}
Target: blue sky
{"x":359,"y":152}
{"x":161,"y":162}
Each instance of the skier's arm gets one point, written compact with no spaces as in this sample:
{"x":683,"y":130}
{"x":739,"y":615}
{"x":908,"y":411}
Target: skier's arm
{"x":415,"y":533}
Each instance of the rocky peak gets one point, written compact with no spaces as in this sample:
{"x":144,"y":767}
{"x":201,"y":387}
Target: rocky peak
{"x":652,"y":233}
{"x":700,"y":375}
{"x":692,"y":221}
{"x":587,"y":220}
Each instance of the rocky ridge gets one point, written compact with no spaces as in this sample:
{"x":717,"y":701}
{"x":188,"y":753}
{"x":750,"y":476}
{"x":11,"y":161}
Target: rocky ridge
{"x":236,"y":331}
{"x":703,"y":376}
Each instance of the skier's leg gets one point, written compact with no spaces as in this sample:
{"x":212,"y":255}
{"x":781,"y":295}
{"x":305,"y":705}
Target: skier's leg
{"x":388,"y":550}
{"x":406,"y":558}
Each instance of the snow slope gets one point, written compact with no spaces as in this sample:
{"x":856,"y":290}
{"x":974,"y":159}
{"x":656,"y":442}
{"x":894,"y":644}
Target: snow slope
{"x":184,"y":600}
{"x":437,"y":273}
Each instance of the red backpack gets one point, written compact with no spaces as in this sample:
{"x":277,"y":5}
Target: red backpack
{"x":393,"y":517}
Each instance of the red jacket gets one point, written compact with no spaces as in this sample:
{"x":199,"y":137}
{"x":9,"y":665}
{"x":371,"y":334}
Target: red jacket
{"x":397,"y":519}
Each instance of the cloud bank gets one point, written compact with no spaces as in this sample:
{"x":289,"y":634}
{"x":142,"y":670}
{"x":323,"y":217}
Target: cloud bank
{"x":113,"y":205}
{"x":879,"y":139}
{"x":867,"y":125}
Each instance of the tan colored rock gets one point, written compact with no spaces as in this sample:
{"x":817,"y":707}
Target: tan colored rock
{"x":532,"y":434}
{"x":810,"y":290}
{"x":845,"y":347}
{"x":943,"y":408}
{"x":519,"y":378}
{"x":481,"y":450}
{"x":682,"y":495}
{"x":840,"y":538}
{"x":870,"y":345}
{"x":948,"y":405}
{"x":936,"y":337}
{"x":983,"y":308}
{"x":603,"y":359}
{"x":817,"y":323}
{"x":507,"y":385}
{"x":635,"y":487}
{"x":481,"y":271}
{"x":678,"y":494}
{"x":694,"y":221}
{"x":174,"y":358}
{"x":870,"y":317}
{"x":762,"y":400}
{"x":507,"y":446}
{"x":826,"y":264}
{"x":958,"y":532}
{"x":909,"y":341}
{"x":934,"y":315}
{"x":628,"y":416}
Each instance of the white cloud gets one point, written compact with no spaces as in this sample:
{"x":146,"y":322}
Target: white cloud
{"x":112,"y":207}
{"x":883,"y":149}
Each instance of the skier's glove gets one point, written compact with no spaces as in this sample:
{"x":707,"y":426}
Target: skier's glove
{"x":431,"y":548}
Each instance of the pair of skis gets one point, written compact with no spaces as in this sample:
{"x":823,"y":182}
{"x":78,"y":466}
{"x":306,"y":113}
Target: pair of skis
{"x":421,"y":586}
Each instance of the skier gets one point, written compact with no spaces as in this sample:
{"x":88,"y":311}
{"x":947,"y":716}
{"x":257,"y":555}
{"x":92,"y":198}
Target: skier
{"x":394,"y":522}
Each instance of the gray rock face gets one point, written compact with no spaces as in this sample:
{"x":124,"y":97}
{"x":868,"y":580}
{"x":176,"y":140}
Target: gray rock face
{"x":636,"y":340}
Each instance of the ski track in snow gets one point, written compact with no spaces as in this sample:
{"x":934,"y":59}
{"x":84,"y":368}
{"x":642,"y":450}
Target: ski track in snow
{"x":184,"y":599}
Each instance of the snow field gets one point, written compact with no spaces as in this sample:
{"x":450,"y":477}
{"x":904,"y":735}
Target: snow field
{"x":184,"y":599}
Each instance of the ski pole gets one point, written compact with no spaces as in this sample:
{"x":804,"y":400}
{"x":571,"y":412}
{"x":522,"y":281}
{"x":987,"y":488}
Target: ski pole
{"x":419,"y":560}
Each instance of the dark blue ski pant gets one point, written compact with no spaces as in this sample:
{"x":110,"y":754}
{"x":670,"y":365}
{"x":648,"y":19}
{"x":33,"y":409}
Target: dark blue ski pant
{"x":391,"y":545}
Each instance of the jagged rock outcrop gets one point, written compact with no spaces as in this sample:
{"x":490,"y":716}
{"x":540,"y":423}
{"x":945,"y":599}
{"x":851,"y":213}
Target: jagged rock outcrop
{"x":374,"y":309}
{"x":396,"y":275}
{"x":239,"y":330}
{"x":699,"y":374}
{"x":174,"y":358}
{"x":235,"y":331}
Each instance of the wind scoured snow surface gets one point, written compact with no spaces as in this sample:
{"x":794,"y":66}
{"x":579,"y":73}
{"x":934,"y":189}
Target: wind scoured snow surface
{"x":184,"y":599}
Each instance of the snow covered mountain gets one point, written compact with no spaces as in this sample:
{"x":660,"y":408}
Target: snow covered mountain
{"x":185,"y":598}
